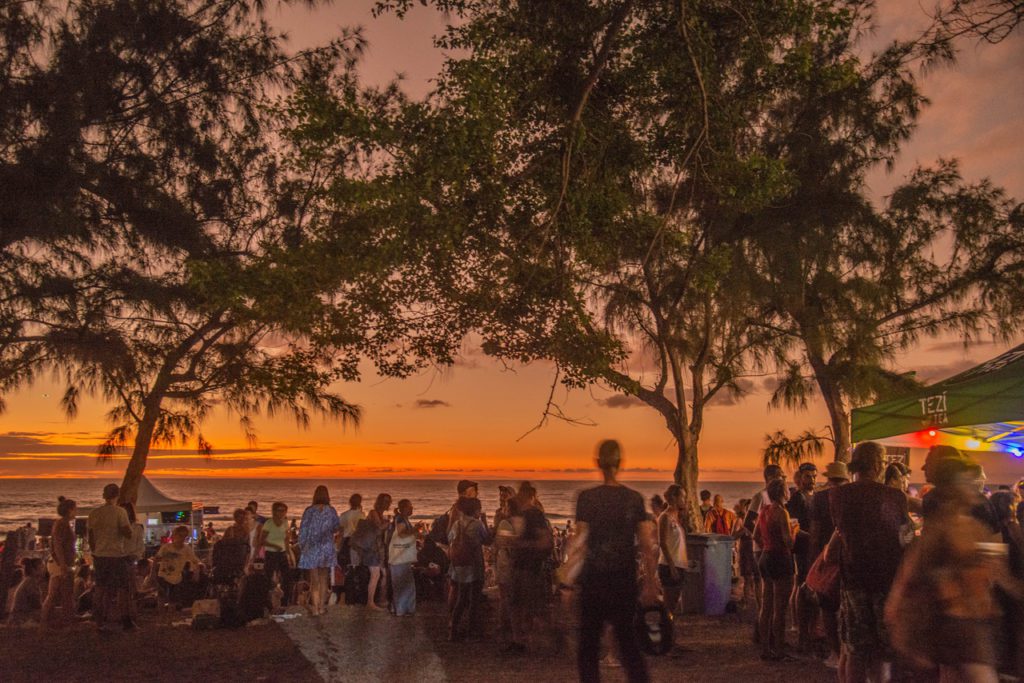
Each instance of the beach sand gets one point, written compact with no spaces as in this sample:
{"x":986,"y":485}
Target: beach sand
{"x":353,"y":644}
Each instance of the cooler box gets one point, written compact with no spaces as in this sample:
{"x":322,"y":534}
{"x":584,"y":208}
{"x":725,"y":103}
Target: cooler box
{"x":707,"y":586}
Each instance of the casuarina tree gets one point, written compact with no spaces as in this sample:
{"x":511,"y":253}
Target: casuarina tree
{"x":206,"y":263}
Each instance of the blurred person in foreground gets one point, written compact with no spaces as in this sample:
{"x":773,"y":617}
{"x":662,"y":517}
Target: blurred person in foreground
{"x":1005,"y":504}
{"x":943,"y":611}
{"x":613,"y":525}
{"x":870,"y":519}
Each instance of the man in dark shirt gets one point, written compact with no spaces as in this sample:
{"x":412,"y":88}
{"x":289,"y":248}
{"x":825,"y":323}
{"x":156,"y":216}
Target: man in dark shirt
{"x":870,"y":518}
{"x":799,"y":508}
{"x":614,"y":523}
{"x":822,"y":528}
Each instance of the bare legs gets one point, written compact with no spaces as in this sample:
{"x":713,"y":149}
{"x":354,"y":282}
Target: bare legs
{"x":318,"y":589}
{"x":772,"y":619}
{"x":61,"y":590}
{"x":375,"y":579}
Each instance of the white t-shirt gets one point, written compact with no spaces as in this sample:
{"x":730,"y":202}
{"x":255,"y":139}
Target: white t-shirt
{"x":348,"y":521}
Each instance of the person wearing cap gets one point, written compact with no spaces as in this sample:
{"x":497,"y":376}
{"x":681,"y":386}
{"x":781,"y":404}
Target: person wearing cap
{"x":870,"y":518}
{"x":613,"y":523}
{"x":935,"y":462}
{"x":109,"y":528}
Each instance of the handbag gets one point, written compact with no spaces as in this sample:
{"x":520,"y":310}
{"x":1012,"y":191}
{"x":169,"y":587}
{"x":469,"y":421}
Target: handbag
{"x":823,"y":576}
{"x":402,"y":549}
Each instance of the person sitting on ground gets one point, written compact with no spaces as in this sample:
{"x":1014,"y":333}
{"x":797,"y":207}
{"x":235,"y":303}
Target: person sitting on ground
{"x":27,"y":600}
{"x":62,"y":565}
{"x":719,"y":519}
{"x":83,"y":589}
{"x":176,"y":568}
{"x":705,"y":505}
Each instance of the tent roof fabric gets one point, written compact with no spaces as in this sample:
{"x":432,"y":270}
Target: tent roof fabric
{"x":152,"y":499}
{"x":990,"y":393}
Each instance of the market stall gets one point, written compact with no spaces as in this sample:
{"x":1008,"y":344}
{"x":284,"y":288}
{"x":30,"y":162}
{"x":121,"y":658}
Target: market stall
{"x":980,"y":411}
{"x":159,"y":513}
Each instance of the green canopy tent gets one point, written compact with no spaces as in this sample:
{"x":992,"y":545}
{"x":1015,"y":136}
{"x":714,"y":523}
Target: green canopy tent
{"x":981,"y":409}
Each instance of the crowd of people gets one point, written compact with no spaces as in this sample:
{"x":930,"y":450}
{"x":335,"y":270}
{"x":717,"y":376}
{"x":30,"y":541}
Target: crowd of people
{"x":878,"y":581}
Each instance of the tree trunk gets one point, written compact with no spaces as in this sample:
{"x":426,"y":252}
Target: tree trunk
{"x":836,"y":404}
{"x":140,"y":453}
{"x":686,"y":475}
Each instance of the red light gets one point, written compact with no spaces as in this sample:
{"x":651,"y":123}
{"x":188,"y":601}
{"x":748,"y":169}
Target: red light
{"x":931,"y":432}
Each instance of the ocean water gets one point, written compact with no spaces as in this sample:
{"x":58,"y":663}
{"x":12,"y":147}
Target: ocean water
{"x":25,"y":500}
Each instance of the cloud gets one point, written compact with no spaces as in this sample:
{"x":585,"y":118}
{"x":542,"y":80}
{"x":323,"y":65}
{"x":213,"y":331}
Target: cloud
{"x":621,"y":401}
{"x":934,"y":373}
{"x":14,"y":444}
{"x":431,"y":403}
{"x":401,"y":443}
{"x":958,"y":345}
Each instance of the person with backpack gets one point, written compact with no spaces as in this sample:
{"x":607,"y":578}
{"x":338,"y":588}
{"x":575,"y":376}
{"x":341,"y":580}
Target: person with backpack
{"x":467,"y":537}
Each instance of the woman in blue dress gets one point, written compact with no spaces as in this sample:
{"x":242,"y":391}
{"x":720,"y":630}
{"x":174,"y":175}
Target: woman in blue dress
{"x":316,"y":540}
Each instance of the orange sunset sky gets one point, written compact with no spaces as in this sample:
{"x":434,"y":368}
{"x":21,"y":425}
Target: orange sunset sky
{"x":469,"y":418}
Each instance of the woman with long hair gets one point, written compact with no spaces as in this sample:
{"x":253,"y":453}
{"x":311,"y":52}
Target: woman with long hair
{"x":61,"y":567}
{"x":775,"y":536}
{"x":316,"y":540}
{"x":376,"y":559}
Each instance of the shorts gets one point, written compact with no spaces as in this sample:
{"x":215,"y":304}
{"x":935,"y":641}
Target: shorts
{"x":665,"y":576}
{"x":774,"y":566}
{"x":862,"y":623}
{"x":111,"y":572}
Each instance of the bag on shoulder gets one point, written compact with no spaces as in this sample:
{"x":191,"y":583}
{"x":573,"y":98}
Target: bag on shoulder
{"x":823,"y":576}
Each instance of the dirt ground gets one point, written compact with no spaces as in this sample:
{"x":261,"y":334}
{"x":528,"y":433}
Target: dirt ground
{"x":354,"y":644}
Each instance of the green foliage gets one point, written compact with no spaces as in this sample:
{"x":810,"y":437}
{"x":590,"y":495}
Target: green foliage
{"x":186,"y":253}
{"x":786,"y":451}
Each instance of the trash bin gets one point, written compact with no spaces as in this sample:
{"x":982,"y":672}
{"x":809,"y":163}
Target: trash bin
{"x":707,"y":586}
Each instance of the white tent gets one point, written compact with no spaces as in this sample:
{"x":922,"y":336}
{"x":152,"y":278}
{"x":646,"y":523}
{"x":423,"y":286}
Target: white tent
{"x":152,"y":499}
